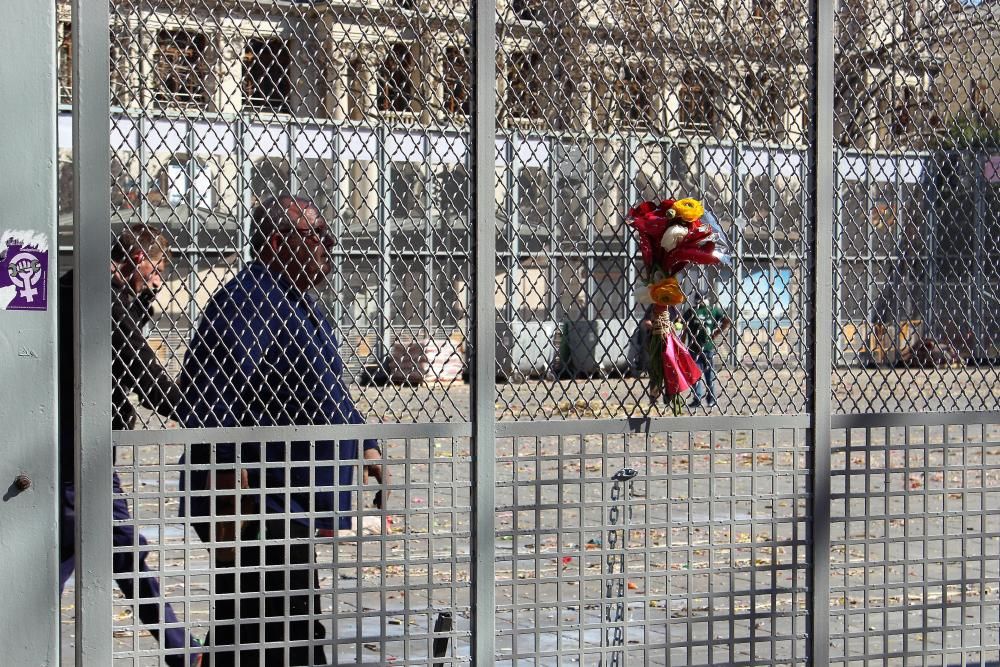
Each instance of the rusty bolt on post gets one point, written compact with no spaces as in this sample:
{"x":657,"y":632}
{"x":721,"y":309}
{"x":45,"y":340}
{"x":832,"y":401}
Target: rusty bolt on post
{"x":22,"y":482}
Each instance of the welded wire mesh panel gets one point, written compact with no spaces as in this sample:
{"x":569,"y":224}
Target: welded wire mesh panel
{"x":603,"y":104}
{"x":360,"y":107}
{"x":683,"y":548}
{"x":915,"y":558}
{"x":288,"y":587}
{"x":916,"y":122}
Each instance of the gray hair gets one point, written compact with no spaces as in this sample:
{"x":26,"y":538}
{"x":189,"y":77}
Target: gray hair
{"x":271,"y":216}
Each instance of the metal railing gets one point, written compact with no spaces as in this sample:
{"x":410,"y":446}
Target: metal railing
{"x":833,"y":507}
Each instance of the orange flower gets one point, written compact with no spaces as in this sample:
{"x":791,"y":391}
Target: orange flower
{"x":666,"y":293}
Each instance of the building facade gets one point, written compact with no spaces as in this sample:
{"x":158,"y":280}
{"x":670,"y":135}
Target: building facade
{"x":364,"y":105}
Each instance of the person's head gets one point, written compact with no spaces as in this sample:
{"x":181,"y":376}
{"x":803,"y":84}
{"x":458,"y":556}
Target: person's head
{"x":291,"y":236}
{"x":139,"y":257}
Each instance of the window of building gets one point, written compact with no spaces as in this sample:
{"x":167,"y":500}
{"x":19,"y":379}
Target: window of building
{"x":65,"y":56}
{"x":179,"y":67}
{"x":454,"y":194}
{"x":533,"y":205}
{"x":528,"y":10}
{"x":395,"y":79}
{"x":406,"y":4}
{"x":457,"y":99}
{"x":979,"y":99}
{"x":902,"y":112}
{"x":697,"y":108}
{"x":762,"y":113}
{"x":701,"y":7}
{"x":66,"y":63}
{"x":523,"y":89}
{"x":266,"y":81}
{"x":633,"y":93}
{"x":356,"y":93}
{"x":765,"y":9}
{"x":406,"y":189}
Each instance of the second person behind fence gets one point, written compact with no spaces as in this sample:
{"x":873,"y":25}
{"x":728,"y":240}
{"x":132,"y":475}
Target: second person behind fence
{"x":264,"y":355}
{"x":705,"y":324}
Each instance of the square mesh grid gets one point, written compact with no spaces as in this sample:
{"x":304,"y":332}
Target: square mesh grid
{"x":916,"y":556}
{"x":700,"y":559}
{"x":382,"y":589}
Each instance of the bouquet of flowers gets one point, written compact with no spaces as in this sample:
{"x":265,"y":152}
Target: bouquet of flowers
{"x":673,"y":234}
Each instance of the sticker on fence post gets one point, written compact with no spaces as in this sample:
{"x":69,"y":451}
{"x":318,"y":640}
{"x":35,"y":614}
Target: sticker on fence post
{"x":24,"y":266}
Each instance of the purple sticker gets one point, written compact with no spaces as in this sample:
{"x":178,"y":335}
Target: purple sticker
{"x":24,"y":278}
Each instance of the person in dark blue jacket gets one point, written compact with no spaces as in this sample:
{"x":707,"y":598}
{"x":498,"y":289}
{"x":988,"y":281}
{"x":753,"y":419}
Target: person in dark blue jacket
{"x":264,"y":355}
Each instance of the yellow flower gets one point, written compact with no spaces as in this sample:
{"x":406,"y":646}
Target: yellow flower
{"x":666,"y":293}
{"x":689,"y":210}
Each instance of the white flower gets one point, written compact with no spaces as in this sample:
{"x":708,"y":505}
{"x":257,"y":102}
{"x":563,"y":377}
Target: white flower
{"x":642,"y":295}
{"x":673,"y":236}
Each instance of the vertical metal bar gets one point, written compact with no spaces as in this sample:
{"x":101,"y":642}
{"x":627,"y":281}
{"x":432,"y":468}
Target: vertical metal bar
{"x":802,"y":249}
{"x":932,"y":226}
{"x":29,"y":620}
{"x":512,"y":232}
{"x":294,"y":182}
{"x":979,"y":270}
{"x":772,"y":255}
{"x":92,"y":331}
{"x":429,"y":315}
{"x":591,"y":285}
{"x":513,"y":255}
{"x":736,"y":185}
{"x":868,"y":260}
{"x":842,"y":346}
{"x":897,"y":283}
{"x":631,"y":173}
{"x":385,"y":206}
{"x":145,"y":184}
{"x":550,"y":225}
{"x":244,"y":180}
{"x":337,"y":173}
{"x":192,"y":253}
{"x":819,"y":376}
{"x":484,"y":373}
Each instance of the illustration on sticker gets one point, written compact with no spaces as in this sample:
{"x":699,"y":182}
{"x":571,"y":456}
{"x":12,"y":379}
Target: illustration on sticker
{"x":24,"y":266}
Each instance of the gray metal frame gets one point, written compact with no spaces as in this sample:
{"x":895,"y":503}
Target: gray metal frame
{"x":484,"y":350}
{"x":821,"y":390}
{"x":29,"y":466}
{"x":688,"y":540}
{"x":92,"y":334}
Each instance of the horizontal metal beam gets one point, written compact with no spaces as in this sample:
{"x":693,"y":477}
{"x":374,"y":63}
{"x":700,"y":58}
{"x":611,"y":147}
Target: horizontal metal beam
{"x":899,"y":419}
{"x":188,"y":436}
{"x":655,"y":425}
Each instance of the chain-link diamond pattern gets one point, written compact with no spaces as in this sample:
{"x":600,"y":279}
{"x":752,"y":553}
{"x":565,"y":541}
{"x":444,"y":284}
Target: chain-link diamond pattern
{"x":362,"y":108}
{"x":917,"y":122}
{"x":603,"y":104}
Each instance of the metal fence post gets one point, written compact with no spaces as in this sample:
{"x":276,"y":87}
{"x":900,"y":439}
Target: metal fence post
{"x":820,"y":396}
{"x":29,"y":479}
{"x":484,"y":337}
{"x":91,"y":211}
{"x":386,"y":203}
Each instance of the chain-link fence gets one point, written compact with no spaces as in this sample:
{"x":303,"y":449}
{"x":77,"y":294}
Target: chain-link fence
{"x":621,"y":538}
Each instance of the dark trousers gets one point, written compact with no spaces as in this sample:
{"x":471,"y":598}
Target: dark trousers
{"x":279,"y":593}
{"x":123,"y":563}
{"x":706,"y":362}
